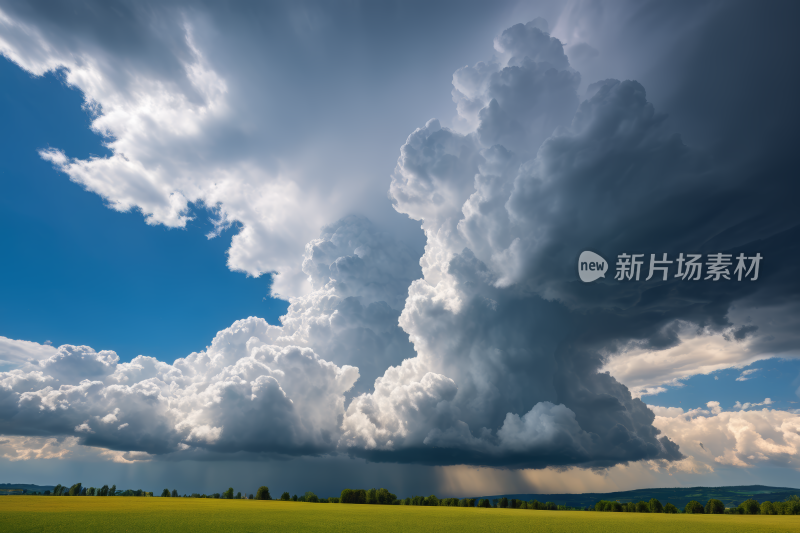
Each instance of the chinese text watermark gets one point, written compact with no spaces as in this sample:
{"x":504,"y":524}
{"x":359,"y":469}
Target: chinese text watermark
{"x":688,"y":267}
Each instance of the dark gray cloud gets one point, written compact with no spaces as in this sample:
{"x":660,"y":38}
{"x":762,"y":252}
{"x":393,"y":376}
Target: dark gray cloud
{"x":500,"y":311}
{"x":503,"y":375}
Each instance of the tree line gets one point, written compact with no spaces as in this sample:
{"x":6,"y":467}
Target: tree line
{"x":78,"y":490}
{"x":790,"y":506}
{"x":384,"y":497}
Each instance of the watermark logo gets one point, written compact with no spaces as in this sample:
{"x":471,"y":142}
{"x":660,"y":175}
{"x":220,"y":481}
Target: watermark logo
{"x":591,"y":267}
{"x":687,"y":267}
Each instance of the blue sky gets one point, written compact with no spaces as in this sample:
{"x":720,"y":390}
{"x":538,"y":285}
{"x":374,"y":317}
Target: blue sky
{"x":83,"y":274}
{"x":407,"y":186}
{"x":776,"y":379}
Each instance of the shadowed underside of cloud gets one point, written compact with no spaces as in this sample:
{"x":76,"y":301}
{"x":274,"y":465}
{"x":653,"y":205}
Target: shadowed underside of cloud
{"x":488,"y":351}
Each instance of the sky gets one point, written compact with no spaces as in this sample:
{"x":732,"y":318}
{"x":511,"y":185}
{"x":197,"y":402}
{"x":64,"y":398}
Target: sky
{"x":307,"y":244}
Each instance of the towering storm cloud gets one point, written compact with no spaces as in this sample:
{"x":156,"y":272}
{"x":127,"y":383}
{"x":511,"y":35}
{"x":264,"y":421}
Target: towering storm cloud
{"x":487,"y":349}
{"x":505,"y":373}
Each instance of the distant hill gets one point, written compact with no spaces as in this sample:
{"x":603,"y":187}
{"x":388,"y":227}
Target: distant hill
{"x":730,"y":496}
{"x":24,"y":486}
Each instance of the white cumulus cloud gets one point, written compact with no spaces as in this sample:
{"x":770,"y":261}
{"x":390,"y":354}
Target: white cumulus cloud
{"x":747,"y":374}
{"x":766,"y":437}
{"x":257,"y":388}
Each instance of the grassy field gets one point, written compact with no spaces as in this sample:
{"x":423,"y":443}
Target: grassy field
{"x":174,"y":515}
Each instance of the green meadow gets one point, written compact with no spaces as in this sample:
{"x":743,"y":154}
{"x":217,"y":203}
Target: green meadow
{"x":172,"y":515}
